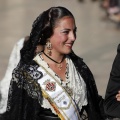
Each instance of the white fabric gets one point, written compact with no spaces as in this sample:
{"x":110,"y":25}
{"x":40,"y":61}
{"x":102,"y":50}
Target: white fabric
{"x":74,"y":81}
{"x":59,"y":95}
{"x":78,"y":85}
{"x":4,"y":83}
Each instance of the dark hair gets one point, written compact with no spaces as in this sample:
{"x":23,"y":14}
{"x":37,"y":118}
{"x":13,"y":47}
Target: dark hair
{"x":42,"y":29}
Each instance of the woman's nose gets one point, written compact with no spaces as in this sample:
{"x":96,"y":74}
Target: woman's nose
{"x":72,"y":36}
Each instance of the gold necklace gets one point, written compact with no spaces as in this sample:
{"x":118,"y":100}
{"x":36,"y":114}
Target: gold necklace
{"x":59,"y":64}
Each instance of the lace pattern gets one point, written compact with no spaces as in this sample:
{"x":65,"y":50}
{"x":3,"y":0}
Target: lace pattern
{"x":25,"y":79}
{"x":5,"y":82}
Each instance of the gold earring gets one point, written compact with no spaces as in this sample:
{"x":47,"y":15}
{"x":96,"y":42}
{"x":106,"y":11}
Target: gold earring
{"x":49,"y":48}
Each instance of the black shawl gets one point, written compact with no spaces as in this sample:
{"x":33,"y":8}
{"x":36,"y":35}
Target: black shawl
{"x":25,"y":97}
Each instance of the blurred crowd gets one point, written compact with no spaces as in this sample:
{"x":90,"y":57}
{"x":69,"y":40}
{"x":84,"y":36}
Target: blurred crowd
{"x":112,"y":10}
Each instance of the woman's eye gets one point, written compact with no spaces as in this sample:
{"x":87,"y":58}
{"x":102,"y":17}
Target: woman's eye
{"x":66,"y":32}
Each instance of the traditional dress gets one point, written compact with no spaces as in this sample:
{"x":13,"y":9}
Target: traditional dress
{"x":37,"y":93}
{"x":71,"y":92}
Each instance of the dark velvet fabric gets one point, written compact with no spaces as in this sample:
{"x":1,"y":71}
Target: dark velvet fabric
{"x":111,"y":105}
{"x":25,"y":97}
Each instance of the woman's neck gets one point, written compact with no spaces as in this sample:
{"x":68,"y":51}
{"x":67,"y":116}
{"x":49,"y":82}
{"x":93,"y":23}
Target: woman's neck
{"x":54,"y":57}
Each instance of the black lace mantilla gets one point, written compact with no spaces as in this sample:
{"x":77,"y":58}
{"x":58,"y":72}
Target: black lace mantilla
{"x":26,"y":78}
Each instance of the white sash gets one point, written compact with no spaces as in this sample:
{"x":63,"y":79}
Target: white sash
{"x":56,"y":94}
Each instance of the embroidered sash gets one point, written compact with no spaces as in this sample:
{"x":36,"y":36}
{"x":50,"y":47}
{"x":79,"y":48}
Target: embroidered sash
{"x":59,"y":99}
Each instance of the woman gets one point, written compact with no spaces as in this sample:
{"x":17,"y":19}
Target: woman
{"x":55,"y":84}
{"x":112,"y":98}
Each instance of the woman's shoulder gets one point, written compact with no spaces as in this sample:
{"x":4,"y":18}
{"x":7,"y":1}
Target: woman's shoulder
{"x":22,"y":68}
{"x":32,"y":71}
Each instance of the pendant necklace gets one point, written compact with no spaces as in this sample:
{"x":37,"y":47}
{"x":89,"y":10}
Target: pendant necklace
{"x":59,"y":64}
{"x":67,"y":88}
{"x":65,"y":84}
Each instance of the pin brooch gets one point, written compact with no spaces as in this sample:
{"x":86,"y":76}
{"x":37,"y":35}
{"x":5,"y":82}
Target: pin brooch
{"x":49,"y":85}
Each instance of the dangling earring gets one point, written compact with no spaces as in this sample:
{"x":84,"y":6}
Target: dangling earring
{"x":49,"y":48}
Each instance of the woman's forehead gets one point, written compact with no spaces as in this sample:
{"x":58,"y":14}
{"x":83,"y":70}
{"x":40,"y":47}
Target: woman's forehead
{"x":65,"y":21}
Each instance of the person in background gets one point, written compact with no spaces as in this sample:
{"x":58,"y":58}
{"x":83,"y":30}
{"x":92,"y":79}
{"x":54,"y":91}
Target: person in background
{"x":112,"y":97}
{"x":55,"y":84}
{"x":112,"y":9}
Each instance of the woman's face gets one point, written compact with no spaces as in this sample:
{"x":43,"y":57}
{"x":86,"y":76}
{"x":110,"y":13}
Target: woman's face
{"x":64,"y":35}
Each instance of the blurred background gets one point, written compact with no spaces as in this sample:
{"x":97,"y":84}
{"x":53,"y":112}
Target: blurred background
{"x":98,"y":31}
